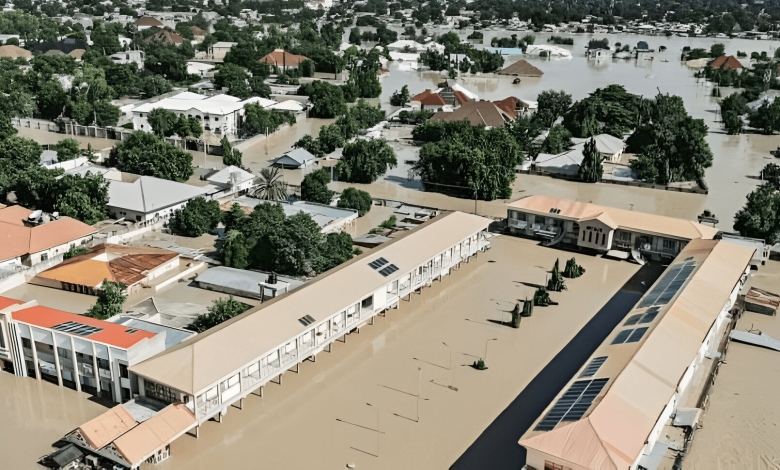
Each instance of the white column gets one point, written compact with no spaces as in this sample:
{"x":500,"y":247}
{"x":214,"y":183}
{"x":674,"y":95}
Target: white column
{"x":56,"y":358}
{"x":95,"y":367}
{"x":35,"y":354}
{"x":75,"y":364}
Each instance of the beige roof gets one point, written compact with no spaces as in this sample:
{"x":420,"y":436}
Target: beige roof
{"x":476,"y":113}
{"x":521,"y":68}
{"x":13,"y":52}
{"x":197,"y":363}
{"x":629,"y":220}
{"x":156,"y":432}
{"x":643,"y":376}
{"x":105,"y":428}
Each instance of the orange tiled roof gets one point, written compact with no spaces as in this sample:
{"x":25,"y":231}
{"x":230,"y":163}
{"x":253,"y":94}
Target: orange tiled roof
{"x":148,"y":21}
{"x":428,"y":98}
{"x":726,"y":62}
{"x":6,"y":302}
{"x":100,"y":431}
{"x":110,"y":333}
{"x":281,"y":57}
{"x":17,"y":240}
{"x":508,"y":105}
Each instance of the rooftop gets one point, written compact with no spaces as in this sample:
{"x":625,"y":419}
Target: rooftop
{"x":219,"y":104}
{"x":476,"y":113}
{"x":281,"y":57}
{"x":200,"y":361}
{"x":631,"y":220}
{"x":143,"y":440}
{"x":241,"y":279}
{"x":521,"y":68}
{"x":322,"y":214}
{"x":17,"y":240}
{"x":148,"y":194}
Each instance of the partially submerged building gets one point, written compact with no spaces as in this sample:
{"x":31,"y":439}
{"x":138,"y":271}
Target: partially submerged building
{"x":601,"y":228}
{"x":625,"y":406}
{"x":521,"y":68}
{"x":75,"y":351}
{"x":133,"y":266}
{"x":245,"y":283}
{"x":330,"y":219}
{"x":221,"y":366}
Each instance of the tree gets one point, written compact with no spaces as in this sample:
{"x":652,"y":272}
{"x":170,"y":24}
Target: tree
{"x":261,"y":121}
{"x":760,"y":216}
{"x":354,"y":36}
{"x":162,"y":122}
{"x":314,"y":187}
{"x":221,"y":311}
{"x":365,"y":160}
{"x":552,"y":105}
{"x":75,"y":251}
{"x":198,"y":217}
{"x":336,"y":249}
{"x":82,"y":198}
{"x":235,"y":79}
{"x":352,"y":198}
{"x":109,"y":302}
{"x":717,"y":50}
{"x":328,"y":99}
{"x":148,"y":155}
{"x":310,"y":144}
{"x":611,"y":110}
{"x":672,"y":142}
{"x":330,"y":138}
{"x":234,"y":251}
{"x":230,"y":156}
{"x":766,"y":118}
{"x":591,"y":167}
{"x":269,"y":185}
{"x":732,"y":122}
{"x":51,"y":100}
{"x":67,"y":149}
{"x":400,"y":98}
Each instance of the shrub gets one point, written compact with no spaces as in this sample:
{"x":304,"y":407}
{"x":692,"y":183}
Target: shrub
{"x":356,"y":199}
{"x":573,"y":270}
{"x":541,"y":297}
{"x":75,"y":251}
{"x":556,"y":281}
{"x":389,"y":223}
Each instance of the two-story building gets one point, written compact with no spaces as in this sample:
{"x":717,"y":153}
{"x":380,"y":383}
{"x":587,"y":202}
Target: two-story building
{"x":603,"y":229}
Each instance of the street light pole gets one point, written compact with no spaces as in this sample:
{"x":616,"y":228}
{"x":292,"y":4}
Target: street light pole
{"x":486,"y":348}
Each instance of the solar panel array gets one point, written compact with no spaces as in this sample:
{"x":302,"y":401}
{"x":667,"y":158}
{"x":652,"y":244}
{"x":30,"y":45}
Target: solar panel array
{"x":573,"y":404}
{"x":378,"y":263}
{"x":631,"y":335}
{"x":642,"y":318}
{"x":671,"y":282}
{"x":76,"y":328}
{"x":306,"y":320}
{"x":387,"y":270}
{"x":593,"y":367}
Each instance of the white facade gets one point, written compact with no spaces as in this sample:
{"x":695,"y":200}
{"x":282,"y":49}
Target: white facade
{"x":219,"y":50}
{"x":128,"y":57}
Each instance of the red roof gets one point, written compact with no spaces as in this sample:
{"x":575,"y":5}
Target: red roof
{"x":281,"y":57}
{"x":428,"y":98}
{"x":111,"y":333}
{"x":6,"y":302}
{"x":16,"y":239}
{"x":462,"y":98}
{"x":508,"y":105}
{"x":726,"y":62}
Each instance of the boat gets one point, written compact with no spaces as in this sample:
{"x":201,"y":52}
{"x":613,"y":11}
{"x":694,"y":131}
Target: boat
{"x":516,"y":81}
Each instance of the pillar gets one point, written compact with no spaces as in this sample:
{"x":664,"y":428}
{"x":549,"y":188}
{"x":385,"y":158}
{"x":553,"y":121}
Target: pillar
{"x":35,"y":354}
{"x":56,"y":358}
{"x":76,"y":367}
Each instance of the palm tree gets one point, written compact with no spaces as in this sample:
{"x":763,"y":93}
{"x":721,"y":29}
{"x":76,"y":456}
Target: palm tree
{"x":269,"y":185}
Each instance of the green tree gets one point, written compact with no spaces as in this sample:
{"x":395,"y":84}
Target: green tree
{"x":148,"y":155}
{"x":352,"y":198}
{"x":400,"y":98}
{"x":75,"y":251}
{"x":234,"y":251}
{"x":51,"y":100}
{"x":611,"y":110}
{"x":314,"y":187}
{"x":67,"y":149}
{"x":235,"y":79}
{"x":330,"y":138}
{"x":336,"y":249}
{"x":328,"y":99}
{"x":310,"y":144}
{"x":230,"y":156}
{"x":109,"y":302}
{"x":760,"y":216}
{"x":732,"y":122}
{"x":221,"y":311}
{"x":270,"y":186}
{"x":591,"y":167}
{"x":717,"y":50}
{"x":364,"y":161}
{"x":354,"y":36}
{"x":82,"y":198}
{"x":198,"y":217}
{"x":552,"y":105}
{"x":766,"y":118}
{"x":162,"y":122}
{"x":260,"y":121}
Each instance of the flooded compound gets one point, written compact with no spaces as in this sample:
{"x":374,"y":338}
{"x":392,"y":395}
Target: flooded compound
{"x":408,"y":366}
{"x":34,"y":414}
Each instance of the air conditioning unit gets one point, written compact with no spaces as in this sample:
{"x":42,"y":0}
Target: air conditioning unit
{"x":92,"y":460}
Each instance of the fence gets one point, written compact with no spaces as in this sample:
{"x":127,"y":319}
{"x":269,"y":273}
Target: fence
{"x":695,"y":188}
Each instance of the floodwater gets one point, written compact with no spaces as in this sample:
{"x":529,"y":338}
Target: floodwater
{"x":320,"y":417}
{"x":34,"y":414}
{"x":737,"y":159}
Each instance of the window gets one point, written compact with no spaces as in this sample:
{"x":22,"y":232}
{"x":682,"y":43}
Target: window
{"x":123,"y":371}
{"x":26,"y":343}
{"x":2,"y":338}
{"x":44,"y":256}
{"x":158,"y":391}
{"x":603,"y":238}
{"x":668,"y":244}
{"x":367,"y":303}
{"x":548,"y":465}
{"x":583,"y":235}
{"x":590,"y":237}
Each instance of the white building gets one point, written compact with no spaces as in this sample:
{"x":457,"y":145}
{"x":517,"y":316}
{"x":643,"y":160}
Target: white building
{"x":129,"y":57}
{"x":229,"y":181}
{"x":218,"y":51}
{"x":149,"y":199}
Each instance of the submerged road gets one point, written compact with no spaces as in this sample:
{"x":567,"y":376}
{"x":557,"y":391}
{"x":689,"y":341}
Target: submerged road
{"x":497,"y":448}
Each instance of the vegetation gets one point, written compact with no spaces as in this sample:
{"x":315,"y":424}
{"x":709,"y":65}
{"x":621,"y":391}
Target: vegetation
{"x":591,"y":168}
{"x":269,"y":185}
{"x":573,"y":270}
{"x":314,"y":187}
{"x":67,"y":149}
{"x":148,"y":155}
{"x":516,"y":312}
{"x":541,"y":298}
{"x":348,"y":125}
{"x":221,"y":311}
{"x":263,"y":121}
{"x":198,"y":217}
{"x":231,"y":156}
{"x":556,"y":282}
{"x":561,"y":40}
{"x":352,"y":198}
{"x":165,"y":123}
{"x":528,"y":307}
{"x":109,"y":301}
{"x":75,"y":251}
{"x":479,"y":365}
{"x":760,"y":216}
{"x":400,"y":98}
{"x":364,"y":161}
{"x":389,"y":223}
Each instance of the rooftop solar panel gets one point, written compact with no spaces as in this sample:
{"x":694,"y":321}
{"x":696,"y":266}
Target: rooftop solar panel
{"x":573,"y":404}
{"x":622,"y":337}
{"x":636,"y":335}
{"x":593,"y":367}
{"x":671,"y":282}
{"x":76,"y":328}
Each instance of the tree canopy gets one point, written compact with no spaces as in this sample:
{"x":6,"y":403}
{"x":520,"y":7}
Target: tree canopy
{"x":148,"y":155}
{"x":109,"y":301}
{"x":352,"y":198}
{"x":760,"y":216}
{"x":314,"y":187}
{"x":222,"y":311}
{"x":364,"y":161}
{"x":198,"y":217}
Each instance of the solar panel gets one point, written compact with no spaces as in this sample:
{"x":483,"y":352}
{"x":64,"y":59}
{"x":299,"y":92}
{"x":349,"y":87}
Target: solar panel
{"x":76,"y":328}
{"x":593,"y":367}
{"x":671,"y":282}
{"x":622,"y":337}
{"x":650,"y":315}
{"x":378,"y":263}
{"x":633,"y":319}
{"x":636,"y":335}
{"x":573,"y":404}
{"x":306,"y":320}
{"x":388,"y":270}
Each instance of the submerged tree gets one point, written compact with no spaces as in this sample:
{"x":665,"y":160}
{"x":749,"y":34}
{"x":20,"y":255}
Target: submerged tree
{"x":221,"y":311}
{"x":573,"y":270}
{"x":269,"y":185}
{"x":556,"y":282}
{"x":592,"y":167}
{"x":541,"y":298}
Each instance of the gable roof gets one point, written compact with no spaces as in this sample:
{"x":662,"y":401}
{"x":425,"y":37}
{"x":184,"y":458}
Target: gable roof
{"x":202,"y":360}
{"x":149,"y":194}
{"x":16,"y":239}
{"x":9,"y":50}
{"x":196,"y":31}
{"x":428,"y":98}
{"x":281,"y":57}
{"x":223,"y":175}
{"x":110,"y":333}
{"x":100,"y":431}
{"x":148,"y":21}
{"x":156,"y":432}
{"x":632,"y":220}
{"x":508,"y":105}
{"x":299,"y":155}
{"x":645,"y":377}
{"x":726,"y":62}
{"x":116,"y":263}
{"x":476,"y":113}
{"x":521,"y":68}
{"x":165,"y":36}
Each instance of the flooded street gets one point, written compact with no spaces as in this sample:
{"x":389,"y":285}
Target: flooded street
{"x":33,"y":415}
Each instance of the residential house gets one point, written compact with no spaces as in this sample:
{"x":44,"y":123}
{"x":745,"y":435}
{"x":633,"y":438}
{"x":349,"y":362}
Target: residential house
{"x":14,"y":52}
{"x":428,"y":100}
{"x":166,"y":37}
{"x":229,"y":181}
{"x":133,"y":266}
{"x":726,"y":63}
{"x":218,"y":51}
{"x":283,"y":59}
{"x":521,"y":68}
{"x":149,"y":199}
{"x":28,"y":238}
{"x":295,"y":158}
{"x":633,"y":401}
{"x":128,"y":57}
{"x":603,"y":229}
{"x":146,"y":22}
{"x":476,"y":113}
